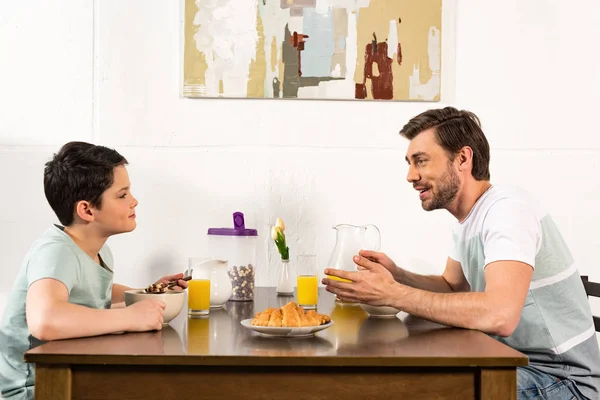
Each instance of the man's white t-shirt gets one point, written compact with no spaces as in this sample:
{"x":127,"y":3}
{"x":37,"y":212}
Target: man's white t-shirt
{"x":556,"y":328}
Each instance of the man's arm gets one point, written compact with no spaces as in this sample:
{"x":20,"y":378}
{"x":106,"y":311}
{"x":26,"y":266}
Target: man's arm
{"x":496,"y":311}
{"x":50,"y":316}
{"x":452,"y":280}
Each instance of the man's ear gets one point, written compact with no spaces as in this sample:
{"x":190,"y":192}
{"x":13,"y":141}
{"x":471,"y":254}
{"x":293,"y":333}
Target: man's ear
{"x":465,"y":158}
{"x":84,"y":210}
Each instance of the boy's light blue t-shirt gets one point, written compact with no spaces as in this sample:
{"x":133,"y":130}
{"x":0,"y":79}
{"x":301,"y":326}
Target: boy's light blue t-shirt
{"x":54,"y":255}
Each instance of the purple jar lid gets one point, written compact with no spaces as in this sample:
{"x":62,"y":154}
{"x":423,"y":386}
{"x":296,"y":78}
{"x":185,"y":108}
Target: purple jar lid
{"x":239,"y":228}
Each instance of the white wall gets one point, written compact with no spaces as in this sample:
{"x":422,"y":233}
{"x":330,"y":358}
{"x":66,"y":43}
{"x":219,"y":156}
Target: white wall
{"x":110,"y":72}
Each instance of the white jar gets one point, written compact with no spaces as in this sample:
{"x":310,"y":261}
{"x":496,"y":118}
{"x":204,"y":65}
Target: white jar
{"x":237,"y":245}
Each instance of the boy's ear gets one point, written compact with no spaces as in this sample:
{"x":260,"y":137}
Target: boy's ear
{"x":84,"y":210}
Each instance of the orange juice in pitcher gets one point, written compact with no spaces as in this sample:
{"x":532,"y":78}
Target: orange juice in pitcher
{"x":337,"y":278}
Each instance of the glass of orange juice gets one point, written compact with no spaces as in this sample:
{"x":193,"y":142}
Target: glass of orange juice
{"x":198,"y":287}
{"x":307,"y":281}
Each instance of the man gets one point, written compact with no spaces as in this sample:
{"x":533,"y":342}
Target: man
{"x":510,"y":274}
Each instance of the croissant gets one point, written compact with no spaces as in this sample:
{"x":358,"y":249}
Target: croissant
{"x":291,"y":315}
{"x":262,"y":318}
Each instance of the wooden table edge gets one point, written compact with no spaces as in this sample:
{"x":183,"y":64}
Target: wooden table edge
{"x":315,"y":361}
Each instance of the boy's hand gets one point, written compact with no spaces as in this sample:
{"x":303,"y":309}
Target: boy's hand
{"x":181,"y":284}
{"x":146,"y":315}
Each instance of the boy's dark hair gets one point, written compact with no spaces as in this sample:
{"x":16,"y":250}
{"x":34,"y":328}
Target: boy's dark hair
{"x":454,"y":129}
{"x":79,"y":171}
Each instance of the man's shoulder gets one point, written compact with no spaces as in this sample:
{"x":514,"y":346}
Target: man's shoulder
{"x":500,"y":204}
{"x":506,"y":197}
{"x":504,"y":191}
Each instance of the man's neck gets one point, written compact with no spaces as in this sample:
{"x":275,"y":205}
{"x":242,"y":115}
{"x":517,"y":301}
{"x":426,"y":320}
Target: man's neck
{"x":87,"y":239}
{"x":466,"y":199}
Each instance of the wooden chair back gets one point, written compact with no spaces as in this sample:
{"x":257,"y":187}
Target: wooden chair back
{"x":592,"y":289}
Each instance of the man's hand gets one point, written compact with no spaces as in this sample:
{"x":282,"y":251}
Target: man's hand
{"x":181,"y":284}
{"x":146,"y":315}
{"x":372,"y":284}
{"x":383,"y":260}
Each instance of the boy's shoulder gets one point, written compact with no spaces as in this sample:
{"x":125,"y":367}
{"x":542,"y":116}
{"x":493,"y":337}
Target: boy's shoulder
{"x":54,"y":238}
{"x":52,"y":249}
{"x":55,"y":247}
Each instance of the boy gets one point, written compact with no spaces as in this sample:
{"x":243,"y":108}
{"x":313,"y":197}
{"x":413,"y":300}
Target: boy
{"x":64,"y":288}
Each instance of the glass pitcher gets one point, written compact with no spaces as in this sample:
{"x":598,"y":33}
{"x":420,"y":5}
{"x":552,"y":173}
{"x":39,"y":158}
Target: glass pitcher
{"x":350,"y":239}
{"x":215,"y":271}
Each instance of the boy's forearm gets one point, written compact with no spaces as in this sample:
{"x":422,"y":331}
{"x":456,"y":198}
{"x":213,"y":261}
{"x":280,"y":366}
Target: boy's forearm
{"x":66,"y":320}
{"x":431,"y":283}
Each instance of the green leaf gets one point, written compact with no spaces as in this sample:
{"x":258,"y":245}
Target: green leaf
{"x":282,"y":247}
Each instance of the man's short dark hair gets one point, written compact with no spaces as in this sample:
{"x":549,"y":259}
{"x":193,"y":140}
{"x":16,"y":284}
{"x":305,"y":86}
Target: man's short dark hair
{"x":79,"y":171}
{"x":454,"y":129}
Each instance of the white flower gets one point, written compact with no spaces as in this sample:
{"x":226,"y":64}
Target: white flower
{"x":274,"y":232}
{"x":280,"y":225}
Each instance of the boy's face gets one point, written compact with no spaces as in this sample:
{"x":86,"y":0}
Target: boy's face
{"x":117,"y":212}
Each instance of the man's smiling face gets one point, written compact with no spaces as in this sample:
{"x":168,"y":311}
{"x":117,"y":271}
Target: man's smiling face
{"x":431,"y":171}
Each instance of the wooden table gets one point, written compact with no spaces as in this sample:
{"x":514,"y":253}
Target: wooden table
{"x":217,"y":358}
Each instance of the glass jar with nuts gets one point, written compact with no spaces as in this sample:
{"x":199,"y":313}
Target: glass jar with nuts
{"x":237,"y":245}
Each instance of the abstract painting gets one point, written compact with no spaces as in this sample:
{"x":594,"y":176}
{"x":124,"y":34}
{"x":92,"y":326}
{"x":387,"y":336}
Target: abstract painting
{"x":313,"y":49}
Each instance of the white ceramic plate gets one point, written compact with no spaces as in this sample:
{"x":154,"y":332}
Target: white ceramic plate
{"x":305,"y":331}
{"x":380,"y":312}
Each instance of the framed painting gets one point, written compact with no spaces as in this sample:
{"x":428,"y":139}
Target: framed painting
{"x":313,"y":49}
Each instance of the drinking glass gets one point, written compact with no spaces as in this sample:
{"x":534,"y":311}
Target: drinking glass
{"x":198,"y":286}
{"x":307,"y":281}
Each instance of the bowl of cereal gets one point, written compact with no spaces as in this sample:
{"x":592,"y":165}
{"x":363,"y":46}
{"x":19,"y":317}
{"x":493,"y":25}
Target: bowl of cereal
{"x":173,"y":299}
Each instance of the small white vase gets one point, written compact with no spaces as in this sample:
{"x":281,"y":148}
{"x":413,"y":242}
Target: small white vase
{"x":285,"y":285}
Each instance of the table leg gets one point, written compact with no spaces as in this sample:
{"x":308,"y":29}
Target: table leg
{"x":52,"y":382}
{"x":498,"y":384}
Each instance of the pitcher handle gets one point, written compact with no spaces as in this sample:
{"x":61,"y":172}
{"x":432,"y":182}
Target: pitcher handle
{"x":378,"y":241}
